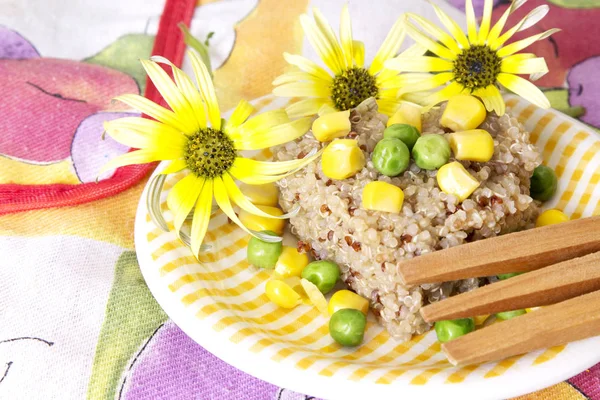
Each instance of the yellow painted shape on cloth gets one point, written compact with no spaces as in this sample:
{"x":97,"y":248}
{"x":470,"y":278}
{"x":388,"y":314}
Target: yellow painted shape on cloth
{"x":23,"y":173}
{"x":273,"y":19}
{"x":109,"y":220}
{"x":561,"y":391}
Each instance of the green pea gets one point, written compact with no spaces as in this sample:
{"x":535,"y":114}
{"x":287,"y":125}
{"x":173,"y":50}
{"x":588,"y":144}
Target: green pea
{"x":451,"y":329}
{"x":510,"y":275}
{"x":543,"y":183}
{"x":347,"y":327}
{"x":264,"y":254}
{"x":391,"y":157}
{"x":509,"y":314}
{"x":431,"y":151}
{"x":407,"y":133}
{"x":323,"y":274}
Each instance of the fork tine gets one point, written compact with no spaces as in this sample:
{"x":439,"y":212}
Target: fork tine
{"x":516,"y":252}
{"x":561,"y":323}
{"x":537,"y":288}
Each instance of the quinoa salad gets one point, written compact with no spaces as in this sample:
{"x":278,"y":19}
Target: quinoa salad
{"x":369,"y":245}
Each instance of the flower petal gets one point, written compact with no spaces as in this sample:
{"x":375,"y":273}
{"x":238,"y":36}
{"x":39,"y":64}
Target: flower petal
{"x":499,"y":26}
{"x":153,"y":110}
{"x":346,"y":36}
{"x":182,"y":198}
{"x":326,"y":108}
{"x":452,"y":27}
{"x":207,"y":89}
{"x":172,"y":95}
{"x":201,"y":217}
{"x":390,"y":46}
{"x":240,"y":114}
{"x":427,"y":84}
{"x":431,"y":29}
{"x":144,"y":133}
{"x":222,"y":199}
{"x":329,"y":36}
{"x":399,"y":81}
{"x":275,"y":136}
{"x":242,"y":201}
{"x":429,"y":43}
{"x":418,"y":97}
{"x":243,"y":176}
{"x":471,"y":22}
{"x":486,"y":21}
{"x":521,"y":44}
{"x":174,"y":166}
{"x":252,"y":179}
{"x":185,"y":84}
{"x":415,"y":50}
{"x":323,"y":47}
{"x":388,"y":106}
{"x":532,"y":18}
{"x":388,"y":79}
{"x":446,"y":93}
{"x":271,"y":167}
{"x":306,"y":107}
{"x":303,"y":89}
{"x":307,"y":65}
{"x":359,"y":53}
{"x":419,"y":64}
{"x":262,"y":122}
{"x":535,"y":16}
{"x":138,"y":157}
{"x":525,"y":89}
{"x":521,"y":65}
{"x":492,"y":99}
{"x":296,"y":76}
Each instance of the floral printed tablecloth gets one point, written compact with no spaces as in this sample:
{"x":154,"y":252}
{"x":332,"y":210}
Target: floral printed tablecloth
{"x":76,"y":318}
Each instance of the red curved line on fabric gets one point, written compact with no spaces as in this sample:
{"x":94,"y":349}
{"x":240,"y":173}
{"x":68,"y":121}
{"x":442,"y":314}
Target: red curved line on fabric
{"x":169,"y":44}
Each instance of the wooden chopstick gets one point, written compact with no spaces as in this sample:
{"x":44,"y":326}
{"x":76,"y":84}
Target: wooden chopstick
{"x":516,"y":252}
{"x":545,"y":286}
{"x":571,"y":320}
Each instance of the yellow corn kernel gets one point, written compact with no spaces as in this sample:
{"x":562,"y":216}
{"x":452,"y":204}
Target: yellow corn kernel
{"x":331,"y":125}
{"x":551,"y":217}
{"x":463,"y":112}
{"x":290,"y":262}
{"x":407,"y":113}
{"x":347,"y":299}
{"x":342,"y":159}
{"x":454,"y":179}
{"x":258,"y":223}
{"x":315,"y":295}
{"x":480,"y":319}
{"x":473,"y":145}
{"x":264,"y":195}
{"x":382,"y":196}
{"x":282,"y":293}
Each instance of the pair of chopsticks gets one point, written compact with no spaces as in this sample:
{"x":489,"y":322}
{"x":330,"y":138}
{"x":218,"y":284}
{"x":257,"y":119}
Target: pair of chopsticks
{"x":563,"y":265}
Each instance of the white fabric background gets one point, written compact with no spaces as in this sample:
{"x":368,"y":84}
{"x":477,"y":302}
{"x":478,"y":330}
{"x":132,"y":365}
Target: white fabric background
{"x":54,"y":288}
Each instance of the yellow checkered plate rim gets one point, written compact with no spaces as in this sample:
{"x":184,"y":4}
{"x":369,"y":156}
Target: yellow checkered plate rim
{"x":220,"y":302}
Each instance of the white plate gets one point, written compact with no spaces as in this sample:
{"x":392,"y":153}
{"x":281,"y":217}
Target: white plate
{"x":221,"y":303}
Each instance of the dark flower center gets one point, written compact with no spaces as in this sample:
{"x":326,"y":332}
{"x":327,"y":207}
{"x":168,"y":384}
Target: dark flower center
{"x":209,"y":153}
{"x":477,"y":67}
{"x":352,"y":87}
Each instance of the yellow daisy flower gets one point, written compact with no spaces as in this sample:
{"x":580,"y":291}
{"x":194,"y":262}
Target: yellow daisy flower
{"x":477,"y":62}
{"x":193,"y":137}
{"x":351,"y":82}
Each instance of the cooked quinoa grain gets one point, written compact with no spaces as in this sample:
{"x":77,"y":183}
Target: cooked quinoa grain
{"x":369,"y":245}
